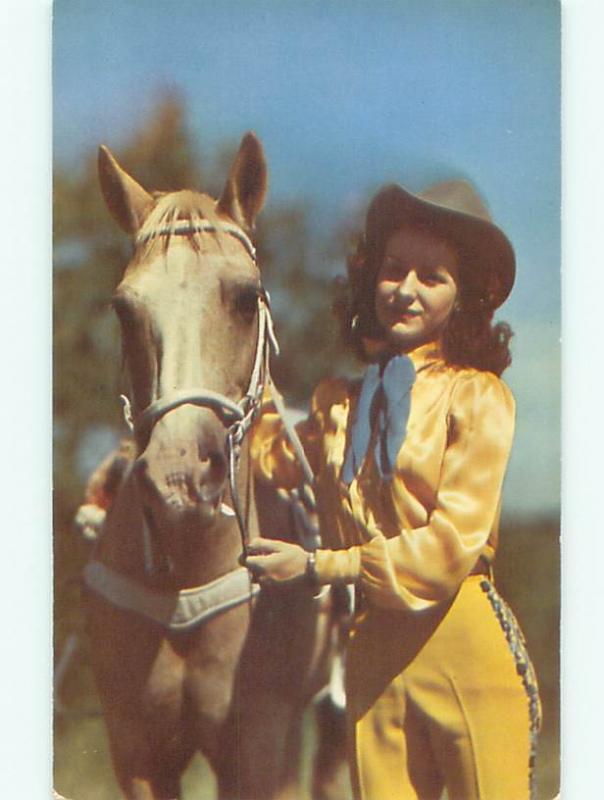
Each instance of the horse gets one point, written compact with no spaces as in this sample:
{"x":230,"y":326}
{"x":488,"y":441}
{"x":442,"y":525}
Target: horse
{"x":188,"y":655}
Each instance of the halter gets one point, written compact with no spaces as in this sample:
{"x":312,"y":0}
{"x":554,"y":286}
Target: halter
{"x":189,"y":607}
{"x":237,"y":416}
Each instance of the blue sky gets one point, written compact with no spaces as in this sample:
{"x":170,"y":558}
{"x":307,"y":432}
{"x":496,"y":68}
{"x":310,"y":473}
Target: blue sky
{"x":346,"y":96}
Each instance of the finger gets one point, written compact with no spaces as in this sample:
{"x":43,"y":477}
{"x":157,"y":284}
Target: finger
{"x":254,"y":562}
{"x":262,"y":541}
{"x":263,"y":546}
{"x":256,"y":566}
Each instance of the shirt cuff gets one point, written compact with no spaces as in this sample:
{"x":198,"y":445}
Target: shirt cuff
{"x":338,"y":566}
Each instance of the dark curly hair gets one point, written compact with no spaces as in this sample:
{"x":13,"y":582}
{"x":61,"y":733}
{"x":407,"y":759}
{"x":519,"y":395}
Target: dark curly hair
{"x":470,"y":339}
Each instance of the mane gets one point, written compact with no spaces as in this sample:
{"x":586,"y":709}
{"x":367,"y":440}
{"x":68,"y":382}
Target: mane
{"x":170,"y":211}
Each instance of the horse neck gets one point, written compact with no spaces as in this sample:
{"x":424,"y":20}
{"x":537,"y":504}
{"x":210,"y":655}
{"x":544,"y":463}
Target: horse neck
{"x":197,"y":555}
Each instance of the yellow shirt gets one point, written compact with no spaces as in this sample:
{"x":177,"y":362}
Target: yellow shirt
{"x":412,"y":540}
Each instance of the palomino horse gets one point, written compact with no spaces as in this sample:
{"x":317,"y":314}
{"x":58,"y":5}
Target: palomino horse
{"x":186,"y":656}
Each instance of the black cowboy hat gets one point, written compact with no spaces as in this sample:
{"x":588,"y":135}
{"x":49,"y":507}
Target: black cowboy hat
{"x":453,"y":209}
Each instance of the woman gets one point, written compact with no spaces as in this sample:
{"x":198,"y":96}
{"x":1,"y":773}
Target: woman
{"x":409,"y":467}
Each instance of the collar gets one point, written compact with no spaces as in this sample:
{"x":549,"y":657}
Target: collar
{"x":425,"y":355}
{"x":422,"y":357}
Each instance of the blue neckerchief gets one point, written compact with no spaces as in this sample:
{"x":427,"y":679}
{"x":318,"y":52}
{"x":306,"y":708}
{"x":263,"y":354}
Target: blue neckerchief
{"x":387,"y":398}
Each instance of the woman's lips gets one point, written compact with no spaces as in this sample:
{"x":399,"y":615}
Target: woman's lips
{"x":405,"y":316}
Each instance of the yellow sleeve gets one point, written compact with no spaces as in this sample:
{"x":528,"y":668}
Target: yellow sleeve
{"x":272,"y":453}
{"x":420,"y":567}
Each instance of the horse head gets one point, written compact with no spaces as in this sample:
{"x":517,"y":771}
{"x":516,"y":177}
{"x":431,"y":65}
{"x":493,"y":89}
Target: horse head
{"x":193,"y":320}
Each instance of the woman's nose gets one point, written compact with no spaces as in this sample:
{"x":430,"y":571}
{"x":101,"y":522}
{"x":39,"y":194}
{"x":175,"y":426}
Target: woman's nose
{"x":407,"y":287}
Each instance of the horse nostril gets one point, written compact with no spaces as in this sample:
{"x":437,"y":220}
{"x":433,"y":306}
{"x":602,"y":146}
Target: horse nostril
{"x":218,"y":465}
{"x":212,"y":469}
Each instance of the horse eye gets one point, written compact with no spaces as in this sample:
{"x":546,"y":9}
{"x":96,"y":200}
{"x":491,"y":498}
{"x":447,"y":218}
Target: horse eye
{"x":121,"y":304}
{"x":247,"y":303}
{"x":125,"y":312}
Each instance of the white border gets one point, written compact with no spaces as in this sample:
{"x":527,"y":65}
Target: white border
{"x":25,"y":550}
{"x":25,"y":318}
{"x":582,"y":419}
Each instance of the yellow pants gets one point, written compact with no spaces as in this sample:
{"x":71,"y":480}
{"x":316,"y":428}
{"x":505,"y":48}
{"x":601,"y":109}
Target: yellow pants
{"x":446,"y":698}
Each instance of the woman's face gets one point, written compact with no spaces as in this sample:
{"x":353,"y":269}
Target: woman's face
{"x":416,"y":287}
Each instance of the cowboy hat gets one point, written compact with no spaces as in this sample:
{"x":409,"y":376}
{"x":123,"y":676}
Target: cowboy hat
{"x":453,"y":209}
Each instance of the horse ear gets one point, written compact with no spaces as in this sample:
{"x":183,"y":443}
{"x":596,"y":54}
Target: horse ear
{"x":127,"y":201}
{"x":245,"y":189}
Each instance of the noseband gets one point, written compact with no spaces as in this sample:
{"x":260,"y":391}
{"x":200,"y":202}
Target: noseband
{"x":236,"y":415}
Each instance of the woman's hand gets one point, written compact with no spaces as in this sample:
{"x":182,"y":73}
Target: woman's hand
{"x":274,"y":561}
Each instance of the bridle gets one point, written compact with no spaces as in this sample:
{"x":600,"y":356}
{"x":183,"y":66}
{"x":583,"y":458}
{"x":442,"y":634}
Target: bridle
{"x":236,"y":415}
{"x":187,"y":608}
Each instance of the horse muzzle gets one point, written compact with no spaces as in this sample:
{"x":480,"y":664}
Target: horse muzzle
{"x":183,"y":469}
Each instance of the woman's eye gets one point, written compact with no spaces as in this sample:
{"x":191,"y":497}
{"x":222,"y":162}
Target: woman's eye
{"x":433,"y":278}
{"x":247,"y":303}
{"x":393,"y":269}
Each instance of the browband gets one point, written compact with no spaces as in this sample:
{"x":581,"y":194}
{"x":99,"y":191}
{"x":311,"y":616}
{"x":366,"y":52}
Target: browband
{"x":186,"y":227}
